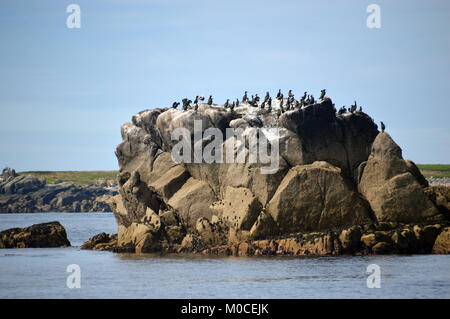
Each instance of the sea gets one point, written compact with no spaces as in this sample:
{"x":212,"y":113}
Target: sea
{"x":49,"y":272}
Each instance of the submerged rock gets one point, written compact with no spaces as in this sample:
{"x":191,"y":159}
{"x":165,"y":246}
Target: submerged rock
{"x":43,"y":235}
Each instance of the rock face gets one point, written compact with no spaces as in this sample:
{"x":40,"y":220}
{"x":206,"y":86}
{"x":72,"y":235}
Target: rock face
{"x":27,"y":194}
{"x":332,"y":171}
{"x":391,"y":187}
{"x":12,"y":183}
{"x":323,"y":200}
{"x":440,"y":195}
{"x":101,"y":241}
{"x":442,"y":243}
{"x":50,"y":234}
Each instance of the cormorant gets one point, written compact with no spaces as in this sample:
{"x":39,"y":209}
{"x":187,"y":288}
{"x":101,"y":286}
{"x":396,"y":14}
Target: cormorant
{"x":245,"y":98}
{"x":342,"y":110}
{"x":175,"y":104}
{"x":322,"y":94}
{"x":290,"y":93}
{"x":210,"y":100}
{"x":186,"y":103}
{"x":302,"y":102}
{"x":279,"y":94}
{"x":383,"y":127}
{"x":253,"y":102}
{"x":288,"y":104}
{"x":352,"y":108}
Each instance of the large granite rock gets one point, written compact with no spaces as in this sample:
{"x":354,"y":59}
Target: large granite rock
{"x":343,"y":141}
{"x":192,"y":201}
{"x":317,"y":197}
{"x":394,"y":193}
{"x":332,"y":171}
{"x":50,"y":234}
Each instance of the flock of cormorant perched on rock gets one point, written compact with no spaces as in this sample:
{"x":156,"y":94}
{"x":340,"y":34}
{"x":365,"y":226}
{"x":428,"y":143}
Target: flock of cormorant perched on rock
{"x":285,"y":104}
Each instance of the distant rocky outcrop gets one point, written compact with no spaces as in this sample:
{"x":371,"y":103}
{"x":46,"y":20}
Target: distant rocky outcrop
{"x":27,"y":194}
{"x":50,"y":234}
{"x":12,"y":183}
{"x":340,"y":185}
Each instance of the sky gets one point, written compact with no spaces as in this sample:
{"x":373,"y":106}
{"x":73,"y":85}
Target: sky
{"x":64,"y":93}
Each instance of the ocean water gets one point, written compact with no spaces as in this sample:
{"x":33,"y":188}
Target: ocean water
{"x":41,"y":272}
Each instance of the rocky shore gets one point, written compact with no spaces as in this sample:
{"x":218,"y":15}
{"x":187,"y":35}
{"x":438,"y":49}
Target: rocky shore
{"x":27,"y":194}
{"x":340,"y":187}
{"x":370,"y":239}
{"x":50,"y":234}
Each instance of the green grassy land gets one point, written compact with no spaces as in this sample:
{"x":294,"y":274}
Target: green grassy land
{"x":436,"y":170}
{"x":78,"y":177}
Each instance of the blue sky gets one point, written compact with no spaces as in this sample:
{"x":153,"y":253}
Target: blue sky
{"x":65,"y":92}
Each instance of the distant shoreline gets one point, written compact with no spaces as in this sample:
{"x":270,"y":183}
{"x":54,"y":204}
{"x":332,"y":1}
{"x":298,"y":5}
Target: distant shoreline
{"x":77,"y":177}
{"x":56,"y":191}
{"x":92,"y":177}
